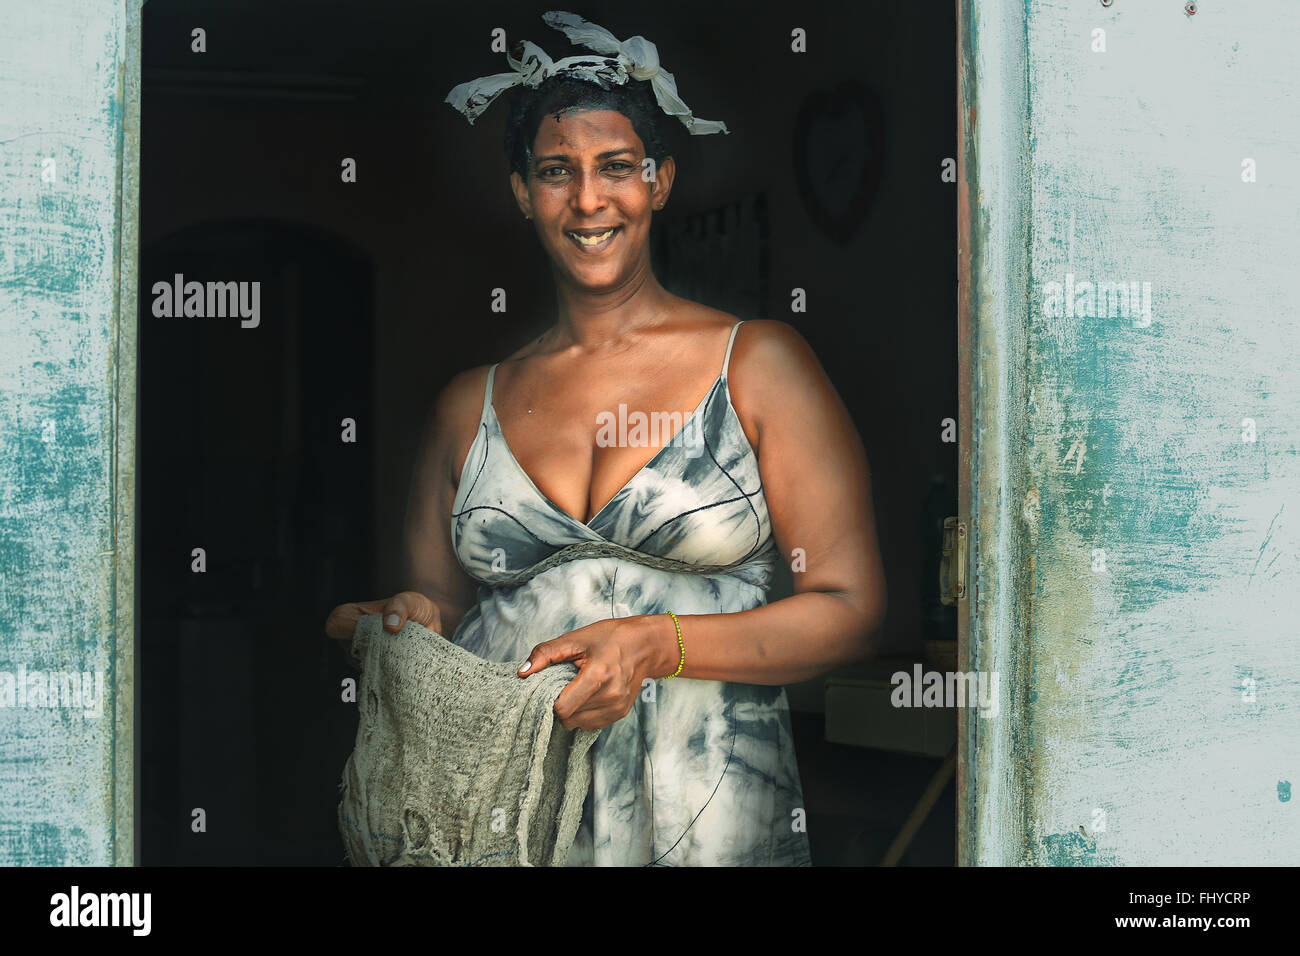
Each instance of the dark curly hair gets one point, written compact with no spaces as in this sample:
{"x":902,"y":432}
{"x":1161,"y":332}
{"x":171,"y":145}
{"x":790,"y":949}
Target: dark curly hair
{"x":528,"y":105}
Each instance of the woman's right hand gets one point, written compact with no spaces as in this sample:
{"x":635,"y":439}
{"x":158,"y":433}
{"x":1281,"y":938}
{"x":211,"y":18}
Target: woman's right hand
{"x":397,"y":610}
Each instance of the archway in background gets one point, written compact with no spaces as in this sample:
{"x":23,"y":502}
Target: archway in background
{"x":242,"y":454}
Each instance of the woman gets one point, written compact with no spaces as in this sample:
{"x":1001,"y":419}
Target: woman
{"x":530,"y":534}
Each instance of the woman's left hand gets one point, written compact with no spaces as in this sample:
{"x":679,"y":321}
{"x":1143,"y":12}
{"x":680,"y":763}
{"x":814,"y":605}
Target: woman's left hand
{"x":614,"y":658}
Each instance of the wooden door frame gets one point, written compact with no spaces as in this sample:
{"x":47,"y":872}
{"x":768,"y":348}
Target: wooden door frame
{"x":993,"y":320}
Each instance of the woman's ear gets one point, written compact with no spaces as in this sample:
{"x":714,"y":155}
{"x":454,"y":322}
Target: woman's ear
{"x":663,"y":182}
{"x":521,"y":195}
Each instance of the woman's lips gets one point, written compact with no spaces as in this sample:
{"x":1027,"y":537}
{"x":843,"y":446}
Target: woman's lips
{"x":590,"y":242}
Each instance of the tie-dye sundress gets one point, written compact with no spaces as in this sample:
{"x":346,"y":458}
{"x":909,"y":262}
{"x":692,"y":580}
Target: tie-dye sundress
{"x":699,"y":772}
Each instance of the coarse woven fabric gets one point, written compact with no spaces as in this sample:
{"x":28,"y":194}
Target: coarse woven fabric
{"x":458,"y":760}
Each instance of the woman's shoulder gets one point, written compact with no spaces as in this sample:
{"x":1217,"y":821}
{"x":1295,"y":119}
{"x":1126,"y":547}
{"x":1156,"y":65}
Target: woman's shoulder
{"x":766,"y":334}
{"x":458,"y":406}
{"x":464,"y":391}
{"x":765,"y":353}
{"x":771,"y":349}
{"x":770,"y":364}
{"x":453,"y":419}
{"x":759,"y":335}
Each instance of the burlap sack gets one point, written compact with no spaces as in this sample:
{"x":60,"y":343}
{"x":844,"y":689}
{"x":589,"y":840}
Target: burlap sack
{"x":458,"y":760}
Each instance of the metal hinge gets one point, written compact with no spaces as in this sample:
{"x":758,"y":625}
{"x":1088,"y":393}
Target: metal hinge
{"x":952,"y":567}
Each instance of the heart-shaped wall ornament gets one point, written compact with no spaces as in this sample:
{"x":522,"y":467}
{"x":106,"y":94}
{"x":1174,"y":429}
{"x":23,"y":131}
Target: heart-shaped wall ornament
{"x":838,"y":153}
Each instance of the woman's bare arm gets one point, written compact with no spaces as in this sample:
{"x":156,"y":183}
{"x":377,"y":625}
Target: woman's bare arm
{"x":817,"y":483}
{"x":430,"y":565}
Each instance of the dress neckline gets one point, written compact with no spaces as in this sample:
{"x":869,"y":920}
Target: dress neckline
{"x":587,"y":525}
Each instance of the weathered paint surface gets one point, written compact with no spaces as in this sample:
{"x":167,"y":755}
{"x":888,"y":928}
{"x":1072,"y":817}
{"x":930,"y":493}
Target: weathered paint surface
{"x":1141,"y":551}
{"x":993,"y":234}
{"x":69,"y":92}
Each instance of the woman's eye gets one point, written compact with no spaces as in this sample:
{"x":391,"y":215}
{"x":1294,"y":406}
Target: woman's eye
{"x":618,"y":166}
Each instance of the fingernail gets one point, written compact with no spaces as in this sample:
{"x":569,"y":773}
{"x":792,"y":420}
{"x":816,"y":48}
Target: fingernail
{"x":527,"y":665}
{"x":393,"y":620}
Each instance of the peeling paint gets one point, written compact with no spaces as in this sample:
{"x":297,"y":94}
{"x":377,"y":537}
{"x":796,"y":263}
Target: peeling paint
{"x":994,"y":757}
{"x":1072,"y":849}
{"x":1157,"y":526}
{"x":69,"y":76}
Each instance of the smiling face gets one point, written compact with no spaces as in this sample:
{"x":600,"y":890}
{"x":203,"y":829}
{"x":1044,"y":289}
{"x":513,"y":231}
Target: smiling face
{"x":588,"y":200}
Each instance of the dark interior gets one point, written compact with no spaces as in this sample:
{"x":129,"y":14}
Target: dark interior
{"x":374,"y":293}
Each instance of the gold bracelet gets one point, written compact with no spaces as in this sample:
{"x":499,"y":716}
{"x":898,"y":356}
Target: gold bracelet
{"x":680,"y":643}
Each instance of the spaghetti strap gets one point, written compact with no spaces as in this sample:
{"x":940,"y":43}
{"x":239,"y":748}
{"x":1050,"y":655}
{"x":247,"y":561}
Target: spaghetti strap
{"x":730,"y":342}
{"x":487,"y":393}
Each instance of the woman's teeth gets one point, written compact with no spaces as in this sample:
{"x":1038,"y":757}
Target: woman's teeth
{"x":593,"y":240}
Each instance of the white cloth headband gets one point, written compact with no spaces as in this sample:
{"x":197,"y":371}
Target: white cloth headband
{"x":635,"y":57}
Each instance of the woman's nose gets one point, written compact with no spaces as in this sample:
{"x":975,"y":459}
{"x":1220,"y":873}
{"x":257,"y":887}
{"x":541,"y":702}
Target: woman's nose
{"x":588,"y":195}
